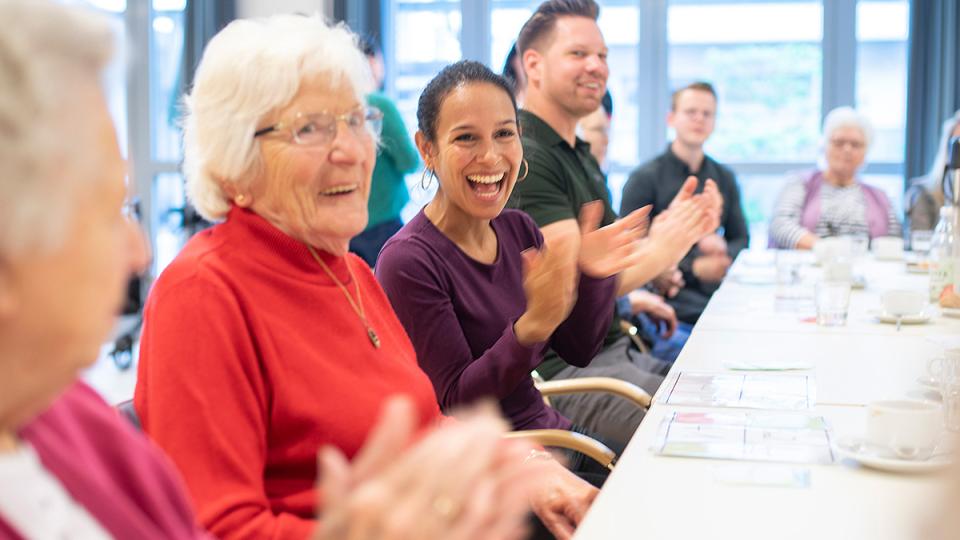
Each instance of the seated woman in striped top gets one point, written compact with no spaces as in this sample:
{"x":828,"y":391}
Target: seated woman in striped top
{"x":834,"y":201}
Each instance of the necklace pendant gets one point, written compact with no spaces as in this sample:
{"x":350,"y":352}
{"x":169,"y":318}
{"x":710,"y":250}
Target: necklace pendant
{"x":373,"y":338}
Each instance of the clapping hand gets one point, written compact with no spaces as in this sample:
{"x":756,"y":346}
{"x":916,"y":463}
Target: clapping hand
{"x":550,"y":284}
{"x":459,"y":481}
{"x":609,"y":250}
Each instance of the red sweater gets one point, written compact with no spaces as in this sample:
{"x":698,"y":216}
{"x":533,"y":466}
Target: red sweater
{"x":251,"y":359}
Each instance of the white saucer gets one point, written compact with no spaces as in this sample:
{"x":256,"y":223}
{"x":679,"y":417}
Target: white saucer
{"x":889,"y":256}
{"x":929,"y":382}
{"x":884,"y":460}
{"x":950,"y":312}
{"x":916,"y":318}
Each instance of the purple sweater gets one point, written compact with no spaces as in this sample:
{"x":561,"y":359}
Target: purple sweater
{"x":460,"y":313}
{"x":116,"y":474}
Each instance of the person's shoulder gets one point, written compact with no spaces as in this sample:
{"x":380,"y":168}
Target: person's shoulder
{"x":520,"y":226}
{"x":725,"y":171}
{"x":205,"y":266}
{"x":80,"y":428}
{"x":647,"y":171}
{"x":79,"y":419}
{"x":415,"y":247}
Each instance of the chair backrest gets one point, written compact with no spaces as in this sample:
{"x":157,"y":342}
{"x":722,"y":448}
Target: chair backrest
{"x":126,"y":410}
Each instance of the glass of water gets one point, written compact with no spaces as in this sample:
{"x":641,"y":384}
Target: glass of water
{"x":832,"y":299}
{"x":949,"y":376}
{"x":920,"y":241}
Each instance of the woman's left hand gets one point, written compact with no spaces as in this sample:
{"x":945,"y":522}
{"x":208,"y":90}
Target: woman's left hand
{"x":609,"y":250}
{"x":561,"y":499}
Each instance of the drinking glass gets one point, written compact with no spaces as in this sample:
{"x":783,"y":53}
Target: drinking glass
{"x":832,"y":298}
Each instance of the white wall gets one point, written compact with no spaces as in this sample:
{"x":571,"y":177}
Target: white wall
{"x":262,"y":8}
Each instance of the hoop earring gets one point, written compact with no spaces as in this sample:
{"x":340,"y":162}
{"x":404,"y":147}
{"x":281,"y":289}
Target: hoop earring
{"x":526,"y":170}
{"x":425,"y":180}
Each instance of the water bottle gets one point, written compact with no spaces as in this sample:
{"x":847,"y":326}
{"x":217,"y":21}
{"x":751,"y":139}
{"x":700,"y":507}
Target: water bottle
{"x":944,"y":251}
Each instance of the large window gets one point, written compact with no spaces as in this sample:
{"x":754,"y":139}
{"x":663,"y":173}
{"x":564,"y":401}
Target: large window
{"x":143,"y":87}
{"x":426,"y":37}
{"x":779,"y":66}
{"x":881,"y":83}
{"x":765,"y":62}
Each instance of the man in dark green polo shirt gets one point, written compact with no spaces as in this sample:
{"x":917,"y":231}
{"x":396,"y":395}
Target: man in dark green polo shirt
{"x":692,"y":116}
{"x":565,"y":60}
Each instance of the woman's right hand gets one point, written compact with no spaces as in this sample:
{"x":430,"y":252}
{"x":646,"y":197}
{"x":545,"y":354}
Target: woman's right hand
{"x":550,"y":284}
{"x":460,"y":481}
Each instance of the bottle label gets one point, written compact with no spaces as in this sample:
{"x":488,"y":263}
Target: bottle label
{"x":942,"y":273}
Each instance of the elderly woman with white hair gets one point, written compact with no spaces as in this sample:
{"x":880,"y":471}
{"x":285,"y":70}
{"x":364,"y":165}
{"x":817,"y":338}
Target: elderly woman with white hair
{"x":833,"y":201}
{"x":265,"y":341}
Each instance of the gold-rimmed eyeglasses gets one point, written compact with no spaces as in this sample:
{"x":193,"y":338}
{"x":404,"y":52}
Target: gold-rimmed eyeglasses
{"x":320,"y":128}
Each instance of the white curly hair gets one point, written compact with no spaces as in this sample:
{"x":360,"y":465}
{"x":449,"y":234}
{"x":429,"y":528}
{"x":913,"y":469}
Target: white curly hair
{"x":249,"y":69}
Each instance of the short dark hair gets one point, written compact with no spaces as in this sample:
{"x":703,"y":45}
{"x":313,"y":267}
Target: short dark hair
{"x":544,"y":19}
{"x":607,"y":103}
{"x":702,"y":86}
{"x":459,"y":74}
{"x":509,"y":71}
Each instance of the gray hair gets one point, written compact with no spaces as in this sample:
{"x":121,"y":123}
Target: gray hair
{"x":249,"y":69}
{"x":45,"y":51}
{"x":844,"y":117}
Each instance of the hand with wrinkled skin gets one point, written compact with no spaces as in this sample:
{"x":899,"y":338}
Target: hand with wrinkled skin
{"x":609,"y":250}
{"x":392,"y":488}
{"x":561,"y":500}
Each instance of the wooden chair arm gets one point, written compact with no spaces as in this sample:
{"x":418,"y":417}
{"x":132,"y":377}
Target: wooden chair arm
{"x":596,"y":384}
{"x":561,"y":438}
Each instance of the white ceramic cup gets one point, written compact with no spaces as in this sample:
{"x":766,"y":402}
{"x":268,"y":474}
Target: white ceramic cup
{"x":909,"y":429}
{"x":888,"y":247}
{"x":838,"y":270}
{"x":903,"y":302}
{"x":832,"y":248}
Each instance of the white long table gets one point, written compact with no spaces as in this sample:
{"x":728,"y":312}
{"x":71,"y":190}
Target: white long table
{"x":657,"y":497}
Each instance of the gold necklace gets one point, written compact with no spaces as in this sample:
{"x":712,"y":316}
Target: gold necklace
{"x":358,"y":305}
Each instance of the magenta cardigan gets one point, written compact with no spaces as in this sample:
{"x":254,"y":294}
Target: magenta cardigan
{"x":114,"y":472}
{"x":877,"y":206}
